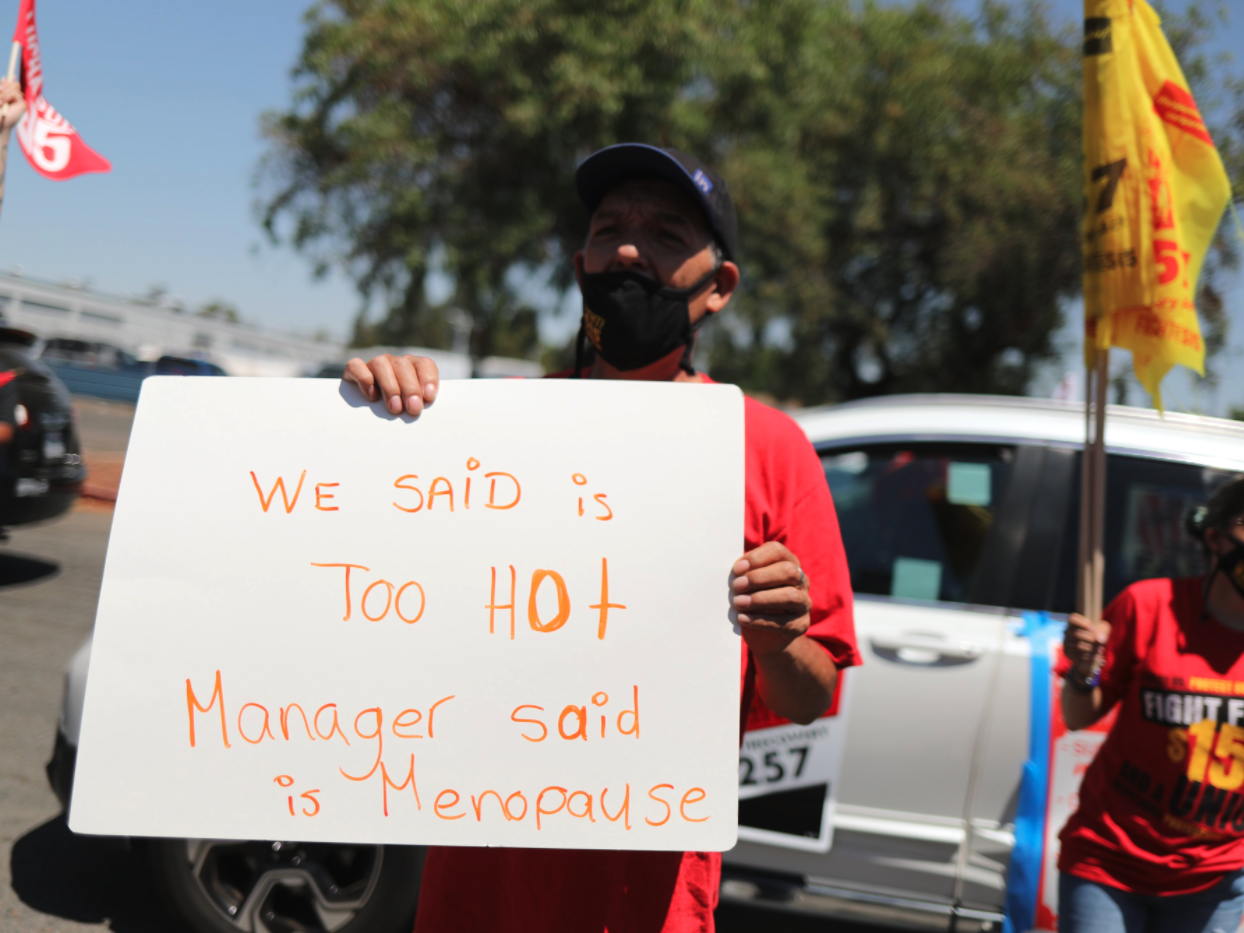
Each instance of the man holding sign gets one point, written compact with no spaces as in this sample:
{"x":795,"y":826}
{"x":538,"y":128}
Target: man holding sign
{"x":658,"y":260}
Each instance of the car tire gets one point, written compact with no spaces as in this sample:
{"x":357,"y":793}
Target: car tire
{"x":281,"y":887}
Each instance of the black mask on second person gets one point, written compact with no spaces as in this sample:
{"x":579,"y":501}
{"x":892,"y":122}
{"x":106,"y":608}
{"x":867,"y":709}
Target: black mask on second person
{"x":1231,"y":566}
{"x":633,"y":321}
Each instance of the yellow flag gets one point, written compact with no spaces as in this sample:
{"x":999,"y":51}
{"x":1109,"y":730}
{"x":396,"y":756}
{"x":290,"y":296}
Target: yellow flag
{"x":1155,"y":189}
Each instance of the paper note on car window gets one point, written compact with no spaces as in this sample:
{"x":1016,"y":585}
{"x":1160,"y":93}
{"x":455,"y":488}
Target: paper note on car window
{"x":322,"y":622}
{"x":968,"y":484}
{"x":916,"y":579}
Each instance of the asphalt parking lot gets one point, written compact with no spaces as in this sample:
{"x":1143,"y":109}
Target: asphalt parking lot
{"x":49,"y":584}
{"x":49,"y":581}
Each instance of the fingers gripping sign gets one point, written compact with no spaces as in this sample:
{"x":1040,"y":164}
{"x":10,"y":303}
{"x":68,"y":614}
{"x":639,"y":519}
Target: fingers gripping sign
{"x":771,"y":595}
{"x":771,"y":598}
{"x":406,"y":383}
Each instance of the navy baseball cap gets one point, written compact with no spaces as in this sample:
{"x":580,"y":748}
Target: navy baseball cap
{"x":603,"y":169}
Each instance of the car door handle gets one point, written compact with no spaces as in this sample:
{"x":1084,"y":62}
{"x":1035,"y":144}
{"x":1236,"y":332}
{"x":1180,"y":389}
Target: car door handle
{"x":925,"y":650}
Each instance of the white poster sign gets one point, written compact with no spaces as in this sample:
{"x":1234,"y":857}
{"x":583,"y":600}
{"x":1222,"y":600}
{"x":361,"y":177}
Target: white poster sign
{"x":505,"y":622}
{"x":1070,"y":756}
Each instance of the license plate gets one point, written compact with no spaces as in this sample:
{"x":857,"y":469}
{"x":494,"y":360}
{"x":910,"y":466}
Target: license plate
{"x":30,"y":487}
{"x":786,"y":757}
{"x":53,"y":446}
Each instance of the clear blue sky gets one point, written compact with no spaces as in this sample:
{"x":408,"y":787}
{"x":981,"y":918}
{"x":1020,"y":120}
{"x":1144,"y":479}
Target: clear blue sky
{"x":171,"y":93}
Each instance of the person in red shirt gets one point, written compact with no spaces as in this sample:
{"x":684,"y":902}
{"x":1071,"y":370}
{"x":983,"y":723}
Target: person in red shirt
{"x":1157,"y":843}
{"x":659,"y":259}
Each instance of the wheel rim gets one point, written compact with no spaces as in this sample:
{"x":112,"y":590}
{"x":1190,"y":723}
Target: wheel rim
{"x":284,"y":887}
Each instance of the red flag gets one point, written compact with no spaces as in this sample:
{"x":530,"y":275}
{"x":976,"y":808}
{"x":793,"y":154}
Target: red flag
{"x":52,"y":146}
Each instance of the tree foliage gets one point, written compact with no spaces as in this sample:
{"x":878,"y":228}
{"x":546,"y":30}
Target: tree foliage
{"x":220,"y":310}
{"x":908,"y":178}
{"x":442,"y":131}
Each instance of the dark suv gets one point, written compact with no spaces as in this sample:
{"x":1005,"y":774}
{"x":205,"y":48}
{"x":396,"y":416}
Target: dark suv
{"x":41,"y":469}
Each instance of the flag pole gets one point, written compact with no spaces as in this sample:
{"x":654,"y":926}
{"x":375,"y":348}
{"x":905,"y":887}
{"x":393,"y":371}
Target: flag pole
{"x":1097,"y":537}
{"x":1090,"y":584}
{"x":8,"y":130}
{"x":1084,"y":574}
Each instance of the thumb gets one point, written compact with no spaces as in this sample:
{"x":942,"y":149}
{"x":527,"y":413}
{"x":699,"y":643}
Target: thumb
{"x":1103,"y":632}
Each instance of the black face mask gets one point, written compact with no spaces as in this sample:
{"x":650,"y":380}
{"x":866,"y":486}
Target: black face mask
{"x":1231,"y":566}
{"x":633,"y":321}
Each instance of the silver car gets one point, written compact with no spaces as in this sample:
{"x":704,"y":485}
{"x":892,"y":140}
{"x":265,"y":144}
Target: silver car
{"x":958,"y":514}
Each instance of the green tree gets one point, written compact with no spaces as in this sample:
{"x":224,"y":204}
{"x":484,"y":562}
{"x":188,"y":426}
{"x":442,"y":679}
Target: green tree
{"x":219,"y":310}
{"x":934,"y":184}
{"x":908,"y":178}
{"x":439,"y":130}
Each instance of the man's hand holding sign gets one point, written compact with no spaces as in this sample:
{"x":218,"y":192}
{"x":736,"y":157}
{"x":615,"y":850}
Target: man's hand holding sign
{"x":499,"y":614}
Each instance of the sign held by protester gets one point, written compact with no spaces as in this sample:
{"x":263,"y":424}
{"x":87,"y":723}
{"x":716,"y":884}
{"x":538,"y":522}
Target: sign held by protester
{"x":505,"y":622}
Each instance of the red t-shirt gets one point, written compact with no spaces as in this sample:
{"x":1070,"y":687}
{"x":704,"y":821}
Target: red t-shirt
{"x":476,"y":890}
{"x":1162,"y":805}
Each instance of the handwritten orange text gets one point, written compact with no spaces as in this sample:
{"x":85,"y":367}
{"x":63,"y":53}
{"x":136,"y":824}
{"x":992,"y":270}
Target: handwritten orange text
{"x":662,"y":804}
{"x":575,"y":722}
{"x":603,"y":512}
{"x":504,"y":491}
{"x":561,"y":615}
{"x":409,"y":595}
{"x":255,"y":721}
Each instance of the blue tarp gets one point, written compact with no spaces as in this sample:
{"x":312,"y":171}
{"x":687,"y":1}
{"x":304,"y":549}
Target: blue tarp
{"x":1023,"y":876}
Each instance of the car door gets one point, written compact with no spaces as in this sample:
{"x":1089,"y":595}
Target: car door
{"x":929,"y":530}
{"x":1003,"y":746}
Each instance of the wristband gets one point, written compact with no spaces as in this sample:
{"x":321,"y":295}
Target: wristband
{"x":1080,"y":684}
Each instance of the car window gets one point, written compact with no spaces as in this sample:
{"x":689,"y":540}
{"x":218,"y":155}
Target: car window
{"x":67,"y":349}
{"x":13,"y":356}
{"x":1146,"y":503}
{"x":175,"y":366}
{"x":915,"y":518}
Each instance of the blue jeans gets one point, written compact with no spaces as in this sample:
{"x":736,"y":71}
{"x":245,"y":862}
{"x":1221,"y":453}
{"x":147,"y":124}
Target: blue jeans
{"x":1089,"y":907}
